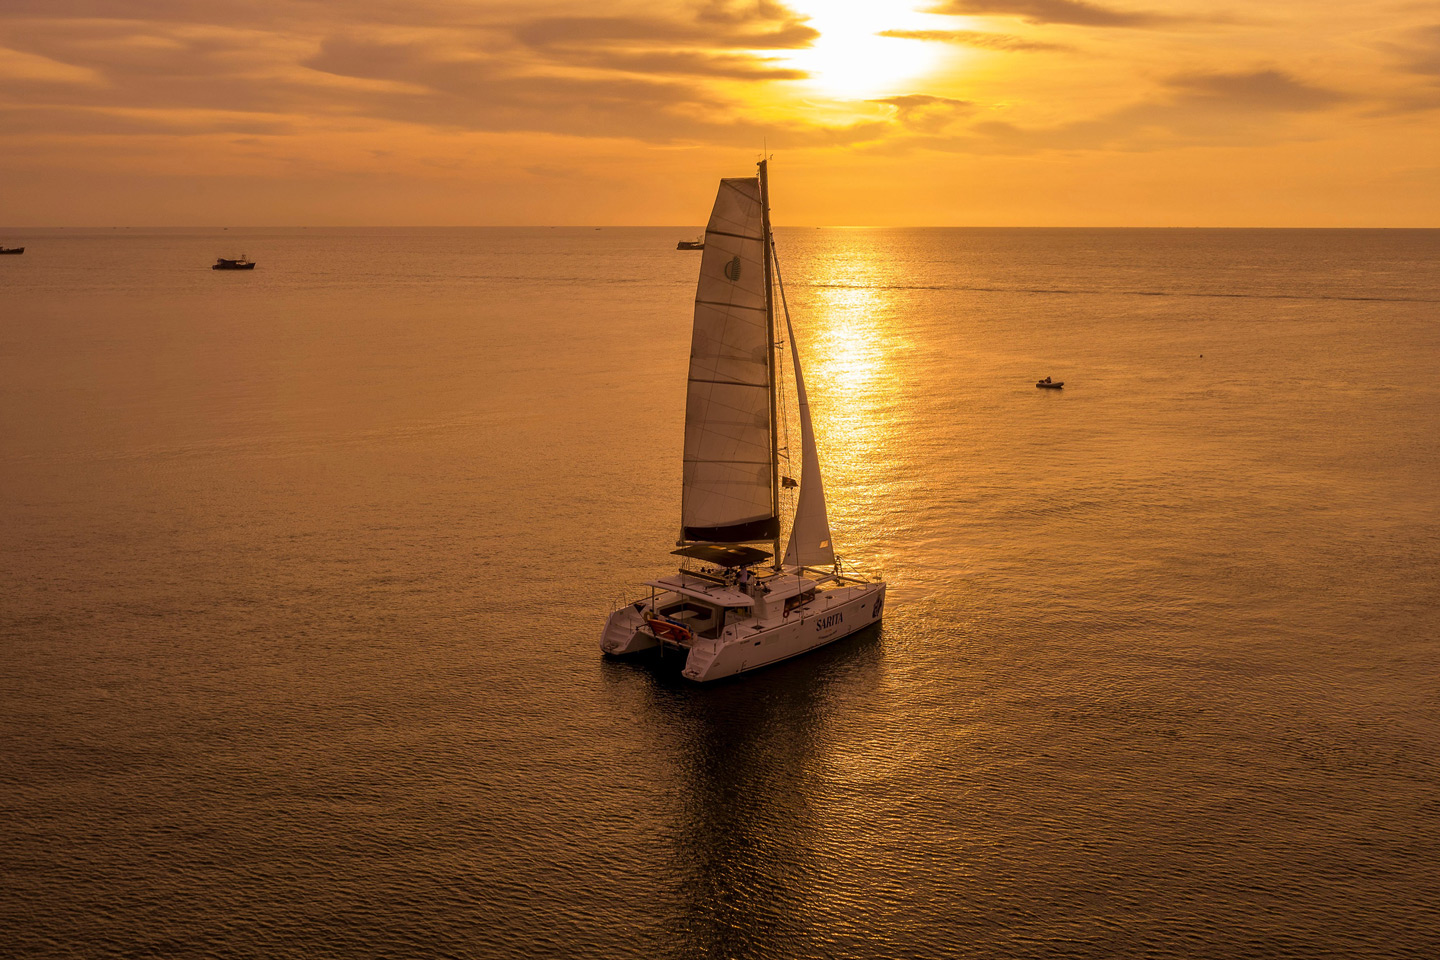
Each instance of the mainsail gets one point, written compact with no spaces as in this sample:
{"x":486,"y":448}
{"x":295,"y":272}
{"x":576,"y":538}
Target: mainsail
{"x":728,"y":494}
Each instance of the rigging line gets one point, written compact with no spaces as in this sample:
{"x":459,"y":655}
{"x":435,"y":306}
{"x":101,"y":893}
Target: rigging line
{"x":787,"y":492}
{"x":780,"y":282}
{"x":734,"y":306}
{"x":737,"y":236}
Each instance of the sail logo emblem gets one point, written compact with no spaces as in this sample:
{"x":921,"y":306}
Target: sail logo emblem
{"x":732,"y":270}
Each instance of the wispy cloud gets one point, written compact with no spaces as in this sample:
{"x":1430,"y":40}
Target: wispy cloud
{"x":686,"y":63}
{"x":1419,"y":51}
{"x":1193,"y":108}
{"x":751,"y":34}
{"x":32,"y":68}
{"x":926,"y":113}
{"x":717,"y":41}
{"x":1261,"y":90}
{"x":649,"y":78}
{"x":1075,"y":12}
{"x":974,"y":38}
{"x":1415,"y":54}
{"x":85,"y":121}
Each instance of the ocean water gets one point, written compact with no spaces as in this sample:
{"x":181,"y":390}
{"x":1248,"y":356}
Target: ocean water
{"x":302,"y":573}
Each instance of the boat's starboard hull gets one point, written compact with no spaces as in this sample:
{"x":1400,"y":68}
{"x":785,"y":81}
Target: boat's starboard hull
{"x":801,"y":633}
{"x":833,"y":616}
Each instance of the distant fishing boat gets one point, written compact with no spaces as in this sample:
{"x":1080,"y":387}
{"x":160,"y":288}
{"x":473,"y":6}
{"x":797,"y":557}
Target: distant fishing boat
{"x":239,"y":263}
{"x":1047,"y":384}
{"x":690,"y":245}
{"x":12,"y":249}
{"x":734,"y":607}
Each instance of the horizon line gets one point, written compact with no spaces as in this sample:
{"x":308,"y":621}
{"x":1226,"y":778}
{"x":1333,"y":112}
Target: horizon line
{"x":617,"y":226}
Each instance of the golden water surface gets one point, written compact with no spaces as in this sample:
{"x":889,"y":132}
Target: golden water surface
{"x":304,"y":571}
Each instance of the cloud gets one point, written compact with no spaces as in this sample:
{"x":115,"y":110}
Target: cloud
{"x":499,"y":67}
{"x":83,"y":121}
{"x":744,"y":11}
{"x":32,"y":68}
{"x":1261,"y":90}
{"x":454,"y":67}
{"x":471,"y":91}
{"x":1195,"y":108}
{"x":974,"y":38}
{"x":1416,"y":53}
{"x":464,"y":91}
{"x":911,"y":101}
{"x":139,"y":66}
{"x":786,"y":34}
{"x":687,"y":63}
{"x":1075,"y":12}
{"x":714,"y":42}
{"x":922,"y":112}
{"x":1419,"y":52}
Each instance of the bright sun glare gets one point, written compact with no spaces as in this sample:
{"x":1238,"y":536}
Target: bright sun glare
{"x":850,"y":60}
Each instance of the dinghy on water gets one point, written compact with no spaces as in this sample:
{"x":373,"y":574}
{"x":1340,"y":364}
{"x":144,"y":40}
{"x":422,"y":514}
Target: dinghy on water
{"x":233,"y":263}
{"x":1046,"y":384}
{"x":733,"y":607}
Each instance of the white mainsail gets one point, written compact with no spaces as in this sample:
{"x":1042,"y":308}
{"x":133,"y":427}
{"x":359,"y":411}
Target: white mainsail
{"x":728,"y":479}
{"x":809,"y":544}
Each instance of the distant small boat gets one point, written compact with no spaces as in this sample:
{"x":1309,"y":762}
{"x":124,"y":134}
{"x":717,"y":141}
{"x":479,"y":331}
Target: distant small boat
{"x":12,"y":249}
{"x":690,"y":245}
{"x":1047,"y":384}
{"x":239,"y":263}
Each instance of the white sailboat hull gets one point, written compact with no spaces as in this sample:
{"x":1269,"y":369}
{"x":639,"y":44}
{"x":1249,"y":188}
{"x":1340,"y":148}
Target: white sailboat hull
{"x":802,"y":632}
{"x":751,"y":644}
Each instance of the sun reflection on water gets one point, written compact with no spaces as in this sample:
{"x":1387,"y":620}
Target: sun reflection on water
{"x":844,"y":309}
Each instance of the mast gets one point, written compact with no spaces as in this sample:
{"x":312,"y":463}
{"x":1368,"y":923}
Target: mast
{"x":770,"y":357}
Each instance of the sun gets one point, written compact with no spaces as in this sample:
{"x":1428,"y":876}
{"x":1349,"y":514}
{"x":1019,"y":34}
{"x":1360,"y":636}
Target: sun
{"x":850,"y":60}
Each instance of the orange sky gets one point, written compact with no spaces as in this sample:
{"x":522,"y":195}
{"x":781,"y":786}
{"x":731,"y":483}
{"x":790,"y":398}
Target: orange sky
{"x":947,"y":112}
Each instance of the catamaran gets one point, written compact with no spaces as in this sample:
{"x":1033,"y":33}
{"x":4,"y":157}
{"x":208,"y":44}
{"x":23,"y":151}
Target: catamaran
{"x":733,"y":607}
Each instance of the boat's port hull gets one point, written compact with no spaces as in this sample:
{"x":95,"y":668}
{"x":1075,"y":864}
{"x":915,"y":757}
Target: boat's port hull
{"x":624,"y":634}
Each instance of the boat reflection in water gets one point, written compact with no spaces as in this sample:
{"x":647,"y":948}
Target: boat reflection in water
{"x":762,"y":833}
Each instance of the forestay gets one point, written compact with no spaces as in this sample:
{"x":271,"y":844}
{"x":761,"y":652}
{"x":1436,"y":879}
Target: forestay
{"x":727,"y":494}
